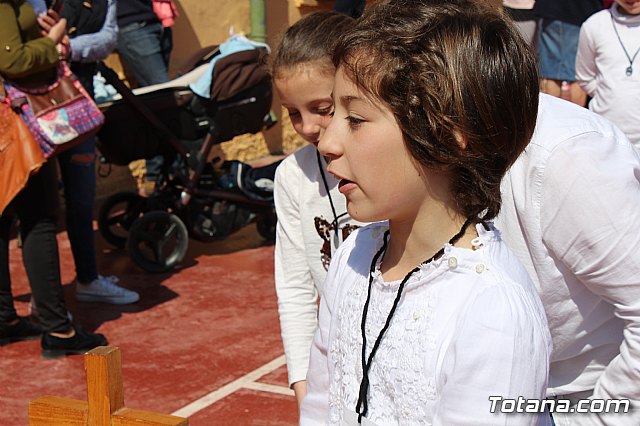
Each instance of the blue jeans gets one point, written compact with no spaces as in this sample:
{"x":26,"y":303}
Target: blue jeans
{"x":79,"y":181}
{"x":140,"y":46}
{"x":166,"y":43}
{"x":145,"y":48}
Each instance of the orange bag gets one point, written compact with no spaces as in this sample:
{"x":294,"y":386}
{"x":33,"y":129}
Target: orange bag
{"x":20,"y":154}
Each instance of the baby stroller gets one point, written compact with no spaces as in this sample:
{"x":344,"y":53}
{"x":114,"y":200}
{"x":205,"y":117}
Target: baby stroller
{"x":194,"y":198}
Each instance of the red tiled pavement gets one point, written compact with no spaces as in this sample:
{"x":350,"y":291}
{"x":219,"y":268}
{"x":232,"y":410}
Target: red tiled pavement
{"x":194,"y":330}
{"x":249,"y":407}
{"x":277,"y":377}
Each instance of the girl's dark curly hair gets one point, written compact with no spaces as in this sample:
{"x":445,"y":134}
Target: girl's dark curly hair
{"x":310,"y":40}
{"x":461,"y":82}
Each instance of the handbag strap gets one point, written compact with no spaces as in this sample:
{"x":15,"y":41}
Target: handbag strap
{"x":62,"y":71}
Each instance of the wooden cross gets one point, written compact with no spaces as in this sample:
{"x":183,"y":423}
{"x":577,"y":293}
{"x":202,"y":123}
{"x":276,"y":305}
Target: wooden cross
{"x":105,"y":402}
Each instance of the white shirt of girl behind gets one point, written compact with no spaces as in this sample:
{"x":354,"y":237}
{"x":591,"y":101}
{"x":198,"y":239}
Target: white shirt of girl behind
{"x":469,"y":325}
{"x":305,"y":242}
{"x":601,"y":68}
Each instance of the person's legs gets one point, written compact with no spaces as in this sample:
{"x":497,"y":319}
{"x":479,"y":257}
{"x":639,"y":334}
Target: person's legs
{"x":140,"y":45}
{"x":578,"y":96}
{"x":144,"y":49}
{"x":167,"y":44}
{"x":12,"y":327}
{"x":7,"y":310}
{"x":77,"y":167}
{"x":551,"y":87}
{"x":557,"y":48}
{"x":37,"y":208}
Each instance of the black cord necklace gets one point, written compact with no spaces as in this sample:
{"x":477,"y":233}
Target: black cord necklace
{"x":366,"y":363}
{"x":629,"y":69}
{"x":336,"y":217}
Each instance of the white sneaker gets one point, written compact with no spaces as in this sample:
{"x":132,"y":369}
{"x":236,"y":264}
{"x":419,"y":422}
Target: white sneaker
{"x":104,"y":289}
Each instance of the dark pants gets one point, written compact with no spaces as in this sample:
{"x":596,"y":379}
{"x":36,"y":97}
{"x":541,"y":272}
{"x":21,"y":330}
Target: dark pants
{"x":36,"y":207}
{"x":79,"y":181}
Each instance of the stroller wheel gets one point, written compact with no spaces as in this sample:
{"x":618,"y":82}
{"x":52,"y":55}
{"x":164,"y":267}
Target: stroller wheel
{"x":266,"y":225}
{"x":158,"y":241}
{"x":117,"y":215}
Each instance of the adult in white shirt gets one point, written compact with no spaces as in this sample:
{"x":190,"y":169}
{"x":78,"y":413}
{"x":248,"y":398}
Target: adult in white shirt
{"x":571,"y":213}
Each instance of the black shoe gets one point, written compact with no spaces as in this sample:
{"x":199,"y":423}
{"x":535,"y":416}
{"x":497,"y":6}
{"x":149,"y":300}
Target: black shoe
{"x":22,"y":330}
{"x":81,"y":342}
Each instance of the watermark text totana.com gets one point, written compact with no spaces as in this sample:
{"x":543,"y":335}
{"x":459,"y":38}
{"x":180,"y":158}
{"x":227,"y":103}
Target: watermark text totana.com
{"x":523,"y":405}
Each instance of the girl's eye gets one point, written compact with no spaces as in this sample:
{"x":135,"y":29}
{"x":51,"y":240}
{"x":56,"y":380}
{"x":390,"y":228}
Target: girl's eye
{"x":325,"y":111}
{"x":354,"y":122}
{"x":294,"y":113}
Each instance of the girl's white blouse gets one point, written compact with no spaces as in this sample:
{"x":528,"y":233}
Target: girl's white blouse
{"x":469,"y":326}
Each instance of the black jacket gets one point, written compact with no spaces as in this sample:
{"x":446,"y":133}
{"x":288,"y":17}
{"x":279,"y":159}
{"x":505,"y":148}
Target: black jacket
{"x":570,"y":11}
{"x":130,"y":11}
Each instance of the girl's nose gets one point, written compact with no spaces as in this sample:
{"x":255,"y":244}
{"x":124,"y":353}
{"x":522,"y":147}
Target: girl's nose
{"x":311,"y":130}
{"x":329,"y":145}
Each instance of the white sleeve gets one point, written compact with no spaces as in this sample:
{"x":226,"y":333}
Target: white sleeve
{"x":315,"y":406}
{"x":591,"y":222}
{"x":586,"y":69}
{"x":501,"y":350}
{"x":295,"y":288}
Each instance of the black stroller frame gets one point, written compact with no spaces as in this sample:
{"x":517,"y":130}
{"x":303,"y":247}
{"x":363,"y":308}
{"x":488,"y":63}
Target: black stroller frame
{"x":190,"y":202}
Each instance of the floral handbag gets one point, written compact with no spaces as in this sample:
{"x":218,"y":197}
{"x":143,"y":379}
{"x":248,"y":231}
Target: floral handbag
{"x":59,"y":116}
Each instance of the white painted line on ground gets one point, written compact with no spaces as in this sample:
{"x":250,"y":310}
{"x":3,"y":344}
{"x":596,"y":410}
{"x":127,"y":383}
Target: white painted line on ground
{"x":265,"y":387}
{"x":228,"y":389}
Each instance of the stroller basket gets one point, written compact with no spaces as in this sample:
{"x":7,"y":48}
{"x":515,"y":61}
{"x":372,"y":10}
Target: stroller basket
{"x":240,"y":102}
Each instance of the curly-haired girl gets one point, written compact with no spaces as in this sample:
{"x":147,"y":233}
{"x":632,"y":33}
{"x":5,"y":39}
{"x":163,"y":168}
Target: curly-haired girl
{"x":426,"y":315}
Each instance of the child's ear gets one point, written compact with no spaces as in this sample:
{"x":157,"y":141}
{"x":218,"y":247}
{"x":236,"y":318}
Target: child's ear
{"x":461,"y":139}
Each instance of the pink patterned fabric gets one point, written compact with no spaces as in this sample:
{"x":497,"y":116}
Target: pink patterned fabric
{"x":64,"y":126}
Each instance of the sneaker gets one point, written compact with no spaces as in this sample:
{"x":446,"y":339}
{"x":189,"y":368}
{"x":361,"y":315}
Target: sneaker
{"x":21,"y":330}
{"x":111,"y":278}
{"x":81,"y":342}
{"x":104,"y":289}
